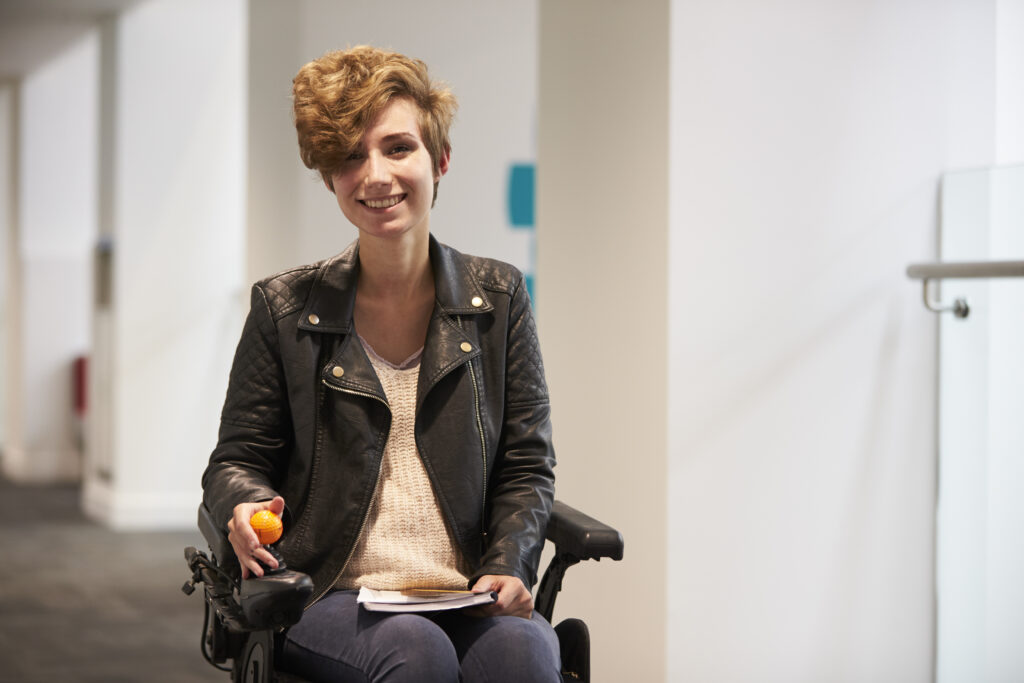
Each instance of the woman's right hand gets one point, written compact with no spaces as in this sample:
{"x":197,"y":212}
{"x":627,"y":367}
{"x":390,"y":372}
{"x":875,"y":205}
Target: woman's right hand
{"x":244,"y":540}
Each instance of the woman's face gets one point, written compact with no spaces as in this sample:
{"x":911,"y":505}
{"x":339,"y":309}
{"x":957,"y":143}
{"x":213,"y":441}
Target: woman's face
{"x":386,"y":187}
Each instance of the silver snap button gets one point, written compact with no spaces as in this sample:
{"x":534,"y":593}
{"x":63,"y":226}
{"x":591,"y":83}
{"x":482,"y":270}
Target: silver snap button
{"x":314,"y":319}
{"x":338,"y":371}
{"x":477,"y":302}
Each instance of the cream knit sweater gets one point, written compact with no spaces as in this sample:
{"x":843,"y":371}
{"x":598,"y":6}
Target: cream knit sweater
{"x":405,"y":542}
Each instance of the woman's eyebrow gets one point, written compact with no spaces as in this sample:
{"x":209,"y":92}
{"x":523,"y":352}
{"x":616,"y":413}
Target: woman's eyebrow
{"x":398,"y":136}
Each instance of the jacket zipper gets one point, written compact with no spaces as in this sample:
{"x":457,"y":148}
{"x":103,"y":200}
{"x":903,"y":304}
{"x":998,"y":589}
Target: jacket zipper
{"x":483,"y":460}
{"x":483,"y":455}
{"x":366,"y":513}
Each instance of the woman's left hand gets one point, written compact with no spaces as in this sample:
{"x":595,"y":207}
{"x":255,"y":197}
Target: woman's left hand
{"x":513,"y":598}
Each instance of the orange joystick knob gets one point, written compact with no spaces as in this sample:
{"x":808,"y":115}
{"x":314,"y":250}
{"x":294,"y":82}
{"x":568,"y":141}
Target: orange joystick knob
{"x":267,"y":526}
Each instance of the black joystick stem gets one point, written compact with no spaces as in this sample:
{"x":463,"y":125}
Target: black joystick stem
{"x":281,"y":566}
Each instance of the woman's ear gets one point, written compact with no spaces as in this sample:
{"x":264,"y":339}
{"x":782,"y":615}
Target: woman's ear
{"x":443,"y":163}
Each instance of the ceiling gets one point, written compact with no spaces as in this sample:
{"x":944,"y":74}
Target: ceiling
{"x":33,"y":31}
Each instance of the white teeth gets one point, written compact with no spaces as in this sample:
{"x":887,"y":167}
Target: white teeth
{"x":383,"y":203}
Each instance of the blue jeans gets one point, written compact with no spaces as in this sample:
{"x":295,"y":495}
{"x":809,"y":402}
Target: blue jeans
{"x":337,"y":640}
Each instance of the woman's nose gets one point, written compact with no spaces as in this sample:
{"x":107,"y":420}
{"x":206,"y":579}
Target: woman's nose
{"x":377,"y":172}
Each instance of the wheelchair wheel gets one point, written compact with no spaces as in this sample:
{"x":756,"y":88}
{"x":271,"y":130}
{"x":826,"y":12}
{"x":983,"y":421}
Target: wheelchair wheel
{"x":256,"y":661}
{"x":574,"y":643}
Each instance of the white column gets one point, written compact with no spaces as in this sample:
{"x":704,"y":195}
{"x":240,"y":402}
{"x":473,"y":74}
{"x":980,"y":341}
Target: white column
{"x":602,"y":282}
{"x":8,"y":248}
{"x":177,"y":233}
{"x":275,"y":172}
{"x":47,"y":322}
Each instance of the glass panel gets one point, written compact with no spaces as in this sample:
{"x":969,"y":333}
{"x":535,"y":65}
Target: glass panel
{"x":980,"y":545}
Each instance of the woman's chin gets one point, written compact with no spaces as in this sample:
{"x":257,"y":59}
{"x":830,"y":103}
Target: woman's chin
{"x":393,"y":232}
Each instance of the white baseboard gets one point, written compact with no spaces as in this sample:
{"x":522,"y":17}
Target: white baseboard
{"x":140,"y":511}
{"x":41,"y":466}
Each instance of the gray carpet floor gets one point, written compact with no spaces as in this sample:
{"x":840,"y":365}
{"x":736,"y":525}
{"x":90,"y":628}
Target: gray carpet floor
{"x":79,"y":602}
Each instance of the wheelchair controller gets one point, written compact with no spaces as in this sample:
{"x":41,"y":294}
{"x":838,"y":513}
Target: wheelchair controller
{"x":273,"y":598}
{"x":272,"y":601}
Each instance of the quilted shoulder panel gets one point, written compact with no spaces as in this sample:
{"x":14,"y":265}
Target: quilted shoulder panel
{"x":525,"y":383}
{"x":288,"y":290}
{"x":496,"y":276}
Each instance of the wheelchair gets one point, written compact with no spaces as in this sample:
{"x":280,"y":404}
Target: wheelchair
{"x":244,"y":619}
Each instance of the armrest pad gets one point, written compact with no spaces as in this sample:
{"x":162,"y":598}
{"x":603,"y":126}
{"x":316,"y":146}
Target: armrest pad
{"x":582,"y":536}
{"x":216,"y":537}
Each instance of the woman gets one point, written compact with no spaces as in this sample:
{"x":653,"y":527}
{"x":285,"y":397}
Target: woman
{"x":390,"y":402}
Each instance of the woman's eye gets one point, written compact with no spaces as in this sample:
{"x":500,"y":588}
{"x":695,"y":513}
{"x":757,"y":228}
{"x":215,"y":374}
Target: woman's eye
{"x":400,"y":149}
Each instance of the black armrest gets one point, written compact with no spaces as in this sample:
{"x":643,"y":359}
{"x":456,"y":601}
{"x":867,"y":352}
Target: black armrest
{"x":576,"y":537}
{"x":582,"y":536}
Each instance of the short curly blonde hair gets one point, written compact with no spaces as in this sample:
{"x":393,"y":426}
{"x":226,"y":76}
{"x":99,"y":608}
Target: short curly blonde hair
{"x":338,"y":96}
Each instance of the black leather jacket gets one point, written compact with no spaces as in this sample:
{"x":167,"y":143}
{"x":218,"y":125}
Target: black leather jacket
{"x":305,"y":416}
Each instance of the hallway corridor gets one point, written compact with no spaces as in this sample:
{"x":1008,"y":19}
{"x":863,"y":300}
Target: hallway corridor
{"x":79,"y":602}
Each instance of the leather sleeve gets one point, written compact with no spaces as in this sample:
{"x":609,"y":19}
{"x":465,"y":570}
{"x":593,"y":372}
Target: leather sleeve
{"x":523,"y":483}
{"x":250,"y":459}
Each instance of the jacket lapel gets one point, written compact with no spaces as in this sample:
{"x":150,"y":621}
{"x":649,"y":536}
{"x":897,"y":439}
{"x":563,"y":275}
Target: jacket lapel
{"x":457,"y":293}
{"x":328,"y":310}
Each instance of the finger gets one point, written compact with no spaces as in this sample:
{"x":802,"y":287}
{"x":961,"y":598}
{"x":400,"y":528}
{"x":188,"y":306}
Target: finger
{"x":252,"y":562}
{"x":246,"y":562}
{"x":244,"y":556}
{"x":245,"y":533}
{"x":253,"y":567}
{"x":516,"y":601}
{"x":242,"y":542}
{"x":265,"y":557}
{"x":525,"y":608}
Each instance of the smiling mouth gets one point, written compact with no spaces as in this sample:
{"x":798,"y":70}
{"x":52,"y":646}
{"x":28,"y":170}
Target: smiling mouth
{"x":384,"y":203}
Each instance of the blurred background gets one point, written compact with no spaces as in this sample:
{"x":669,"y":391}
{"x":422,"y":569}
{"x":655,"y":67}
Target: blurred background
{"x":715,"y":204}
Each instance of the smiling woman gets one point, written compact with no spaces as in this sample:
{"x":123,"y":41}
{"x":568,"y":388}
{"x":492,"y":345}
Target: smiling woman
{"x":394,"y":396}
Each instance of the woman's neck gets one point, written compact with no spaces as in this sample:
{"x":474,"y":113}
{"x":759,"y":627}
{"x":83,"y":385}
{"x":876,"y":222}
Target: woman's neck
{"x":394,"y":296}
{"x":395,"y":269}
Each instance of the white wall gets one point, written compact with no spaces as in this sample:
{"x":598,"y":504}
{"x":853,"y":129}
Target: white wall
{"x":485,"y":51}
{"x":1009,"y":43}
{"x":55,"y":227}
{"x":178,"y":237}
{"x":807,"y":141}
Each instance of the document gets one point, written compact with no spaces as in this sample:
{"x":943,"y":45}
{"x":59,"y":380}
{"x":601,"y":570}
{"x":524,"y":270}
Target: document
{"x":421,"y":599}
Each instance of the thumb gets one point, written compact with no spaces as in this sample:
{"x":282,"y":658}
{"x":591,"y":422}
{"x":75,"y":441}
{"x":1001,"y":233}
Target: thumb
{"x":483,"y":584}
{"x":277,"y":505}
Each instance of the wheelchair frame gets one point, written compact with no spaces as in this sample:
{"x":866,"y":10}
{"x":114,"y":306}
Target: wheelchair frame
{"x":243,"y":617}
